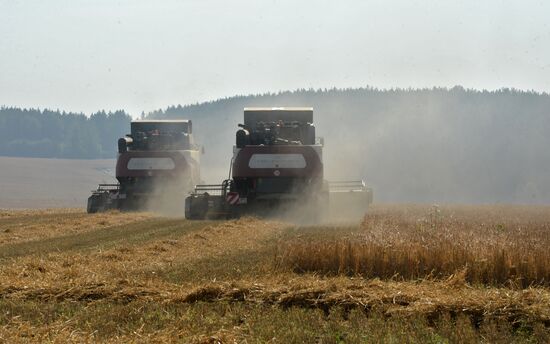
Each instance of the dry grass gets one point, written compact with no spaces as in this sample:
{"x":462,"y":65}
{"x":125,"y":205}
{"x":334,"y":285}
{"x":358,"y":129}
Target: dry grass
{"x":30,"y":225}
{"x":222,"y":322}
{"x":136,"y":252}
{"x":277,"y":310}
{"x":389,"y":298}
{"x":495,"y":245}
{"x":166,"y":280}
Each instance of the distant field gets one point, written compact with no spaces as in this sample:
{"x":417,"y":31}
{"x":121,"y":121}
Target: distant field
{"x":47,"y":183}
{"x":133,"y":277}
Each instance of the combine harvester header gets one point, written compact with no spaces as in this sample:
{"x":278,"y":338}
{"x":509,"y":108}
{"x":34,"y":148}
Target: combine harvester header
{"x":277,"y":168}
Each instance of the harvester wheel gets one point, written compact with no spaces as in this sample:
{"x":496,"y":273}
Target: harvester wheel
{"x":196,"y":207}
{"x":95,"y":204}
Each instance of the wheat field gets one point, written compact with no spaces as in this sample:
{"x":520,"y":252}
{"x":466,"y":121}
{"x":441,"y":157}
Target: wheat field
{"x":406,"y":273}
{"x":488,"y":245}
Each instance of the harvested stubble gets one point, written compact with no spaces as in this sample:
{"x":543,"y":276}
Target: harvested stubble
{"x":165,"y":280}
{"x":495,"y":245}
{"x":390,"y":298}
{"x":17,"y":226}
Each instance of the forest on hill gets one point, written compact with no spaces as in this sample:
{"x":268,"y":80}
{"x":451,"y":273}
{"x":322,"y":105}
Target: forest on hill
{"x":421,"y":145}
{"x":55,"y":134}
{"x":427,"y":145}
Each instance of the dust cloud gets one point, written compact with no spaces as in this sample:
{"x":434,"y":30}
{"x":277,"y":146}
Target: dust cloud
{"x":419,"y":146}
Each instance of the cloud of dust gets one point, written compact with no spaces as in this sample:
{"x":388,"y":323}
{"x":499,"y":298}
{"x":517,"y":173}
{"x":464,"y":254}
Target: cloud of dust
{"x":419,"y":146}
{"x":167,"y":196}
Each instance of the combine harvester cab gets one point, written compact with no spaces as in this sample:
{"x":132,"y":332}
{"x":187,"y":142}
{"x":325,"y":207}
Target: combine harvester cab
{"x":276,"y":169}
{"x":157,"y":166}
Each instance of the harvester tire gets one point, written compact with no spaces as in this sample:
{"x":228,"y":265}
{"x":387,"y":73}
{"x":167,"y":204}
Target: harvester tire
{"x":196,"y":207}
{"x":94,"y":204}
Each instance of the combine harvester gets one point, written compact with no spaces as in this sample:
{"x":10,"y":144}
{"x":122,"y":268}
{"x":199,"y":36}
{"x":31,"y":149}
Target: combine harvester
{"x":277,"y":169}
{"x":157,"y":166}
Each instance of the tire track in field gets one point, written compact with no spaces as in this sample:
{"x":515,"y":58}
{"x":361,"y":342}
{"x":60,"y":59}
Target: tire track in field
{"x":22,"y":226}
{"x":136,"y":232}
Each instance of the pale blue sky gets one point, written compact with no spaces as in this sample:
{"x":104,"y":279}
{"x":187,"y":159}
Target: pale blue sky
{"x":140,"y":55}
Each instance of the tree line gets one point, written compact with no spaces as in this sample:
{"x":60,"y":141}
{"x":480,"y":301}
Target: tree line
{"x":418,"y":145}
{"x":56,"y":134}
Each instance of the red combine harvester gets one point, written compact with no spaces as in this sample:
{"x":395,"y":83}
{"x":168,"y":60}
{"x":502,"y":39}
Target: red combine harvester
{"x":157,"y":166}
{"x":277,"y":168}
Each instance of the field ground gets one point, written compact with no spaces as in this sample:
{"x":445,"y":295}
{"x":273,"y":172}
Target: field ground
{"x":43,"y":183}
{"x":407,"y":273}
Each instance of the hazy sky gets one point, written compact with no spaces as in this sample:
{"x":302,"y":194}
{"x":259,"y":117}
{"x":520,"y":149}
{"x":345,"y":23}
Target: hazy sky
{"x":141,"y":55}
